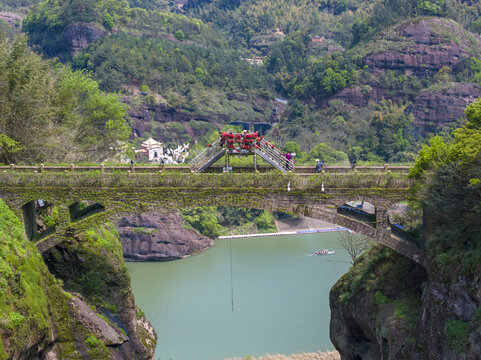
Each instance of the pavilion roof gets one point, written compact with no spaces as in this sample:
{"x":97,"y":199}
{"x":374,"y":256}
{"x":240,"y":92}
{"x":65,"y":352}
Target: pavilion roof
{"x":151,"y":143}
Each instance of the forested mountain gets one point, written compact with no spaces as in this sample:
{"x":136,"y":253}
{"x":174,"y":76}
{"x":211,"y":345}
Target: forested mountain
{"x":372,"y":79}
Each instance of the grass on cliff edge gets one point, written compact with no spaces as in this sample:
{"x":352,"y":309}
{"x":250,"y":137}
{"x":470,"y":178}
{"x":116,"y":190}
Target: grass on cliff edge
{"x":26,"y":290}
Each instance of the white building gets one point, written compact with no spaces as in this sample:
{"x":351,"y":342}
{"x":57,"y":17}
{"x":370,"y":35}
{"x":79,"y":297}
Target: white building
{"x":154,"y":149}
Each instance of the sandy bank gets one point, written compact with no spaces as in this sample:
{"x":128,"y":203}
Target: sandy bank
{"x":330,"y":355}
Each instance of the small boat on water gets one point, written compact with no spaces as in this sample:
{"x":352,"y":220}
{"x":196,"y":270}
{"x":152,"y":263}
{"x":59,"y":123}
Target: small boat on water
{"x":324,"y":252}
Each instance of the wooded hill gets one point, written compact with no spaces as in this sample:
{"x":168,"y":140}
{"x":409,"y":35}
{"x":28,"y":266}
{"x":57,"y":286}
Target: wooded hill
{"x":372,"y":79}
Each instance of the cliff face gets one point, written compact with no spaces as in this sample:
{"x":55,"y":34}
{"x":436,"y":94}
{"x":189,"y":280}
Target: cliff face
{"x":96,"y":319}
{"x":80,"y":35}
{"x":375,"y":305}
{"x":423,"y":46}
{"x":388,"y":308}
{"x":159,"y":237}
{"x":419,"y":48}
{"x":68,"y":42}
{"x":91,"y":264}
{"x":434,"y":109}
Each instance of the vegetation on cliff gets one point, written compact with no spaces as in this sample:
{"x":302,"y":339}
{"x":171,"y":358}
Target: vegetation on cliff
{"x":49,"y":113}
{"x":440,"y":300}
{"x":32,"y":304}
{"x":449,"y":174}
{"x":37,"y":316}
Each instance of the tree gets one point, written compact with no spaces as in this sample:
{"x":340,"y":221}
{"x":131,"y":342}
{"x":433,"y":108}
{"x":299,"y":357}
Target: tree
{"x":50,"y":112}
{"x":27,"y":87}
{"x":179,"y":35}
{"x":354,"y":244}
{"x":327,"y":154}
{"x":203,"y":219}
{"x":266,"y":221}
{"x":8,"y":148}
{"x":464,"y":149}
{"x":95,"y":121}
{"x":333,"y":81}
{"x":292,"y":147}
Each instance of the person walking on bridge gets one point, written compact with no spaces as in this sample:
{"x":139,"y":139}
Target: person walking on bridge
{"x":319,"y":165}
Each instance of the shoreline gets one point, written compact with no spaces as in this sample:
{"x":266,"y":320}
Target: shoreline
{"x":328,"y":355}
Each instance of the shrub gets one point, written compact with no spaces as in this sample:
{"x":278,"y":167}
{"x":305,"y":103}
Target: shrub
{"x":92,"y":341}
{"x":457,"y":332}
{"x":16,"y":319}
{"x":380,"y":298}
{"x":179,"y":35}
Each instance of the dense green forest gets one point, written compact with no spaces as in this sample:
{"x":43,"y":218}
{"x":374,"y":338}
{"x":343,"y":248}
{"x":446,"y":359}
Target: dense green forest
{"x":213,"y":221}
{"x":311,"y":53}
{"x":203,"y":80}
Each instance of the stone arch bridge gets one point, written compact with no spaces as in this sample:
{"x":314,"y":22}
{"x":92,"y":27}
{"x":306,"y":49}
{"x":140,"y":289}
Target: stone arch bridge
{"x":112,"y":195}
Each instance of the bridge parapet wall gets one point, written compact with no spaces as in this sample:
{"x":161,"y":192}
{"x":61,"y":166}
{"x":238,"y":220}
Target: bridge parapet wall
{"x":186,"y":169}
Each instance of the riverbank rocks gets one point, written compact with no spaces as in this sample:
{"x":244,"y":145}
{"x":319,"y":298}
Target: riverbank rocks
{"x":159,"y":237}
{"x":386,"y":307}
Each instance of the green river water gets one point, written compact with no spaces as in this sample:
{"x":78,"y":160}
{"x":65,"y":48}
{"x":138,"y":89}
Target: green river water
{"x":277,"y":301}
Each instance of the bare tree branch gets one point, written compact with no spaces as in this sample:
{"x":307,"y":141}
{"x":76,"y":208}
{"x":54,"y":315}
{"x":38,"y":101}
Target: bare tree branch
{"x":354,"y":244}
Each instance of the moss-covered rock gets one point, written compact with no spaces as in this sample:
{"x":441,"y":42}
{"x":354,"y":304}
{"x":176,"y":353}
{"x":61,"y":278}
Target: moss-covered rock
{"x":376,"y":305}
{"x":39,"y":319}
{"x":32,"y":304}
{"x":91,"y":264}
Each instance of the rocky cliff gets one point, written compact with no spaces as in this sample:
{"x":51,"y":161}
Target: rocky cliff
{"x":80,"y":35}
{"x":415,"y":51}
{"x":12,"y":19}
{"x":386,"y":307}
{"x":69,"y":41}
{"x":435,"y":109}
{"x":421,"y":47}
{"x":159,"y":237}
{"x":375,"y":306}
{"x":79,"y":307}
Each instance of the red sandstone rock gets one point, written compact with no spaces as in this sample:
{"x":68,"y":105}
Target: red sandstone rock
{"x":433,"y":110}
{"x":426,"y":45}
{"x":159,"y":237}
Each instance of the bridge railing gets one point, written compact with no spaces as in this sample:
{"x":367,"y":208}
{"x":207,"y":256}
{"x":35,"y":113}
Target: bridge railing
{"x":314,"y":182}
{"x":205,"y":156}
{"x":276,"y":155}
{"x":301,"y":170}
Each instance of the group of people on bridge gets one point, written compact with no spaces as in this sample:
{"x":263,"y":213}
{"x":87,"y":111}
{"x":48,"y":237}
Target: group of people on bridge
{"x":244,"y":141}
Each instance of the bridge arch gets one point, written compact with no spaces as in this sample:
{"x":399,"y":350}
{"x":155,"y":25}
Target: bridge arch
{"x":113,"y":203}
{"x":39,"y":221}
{"x":80,"y":210}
